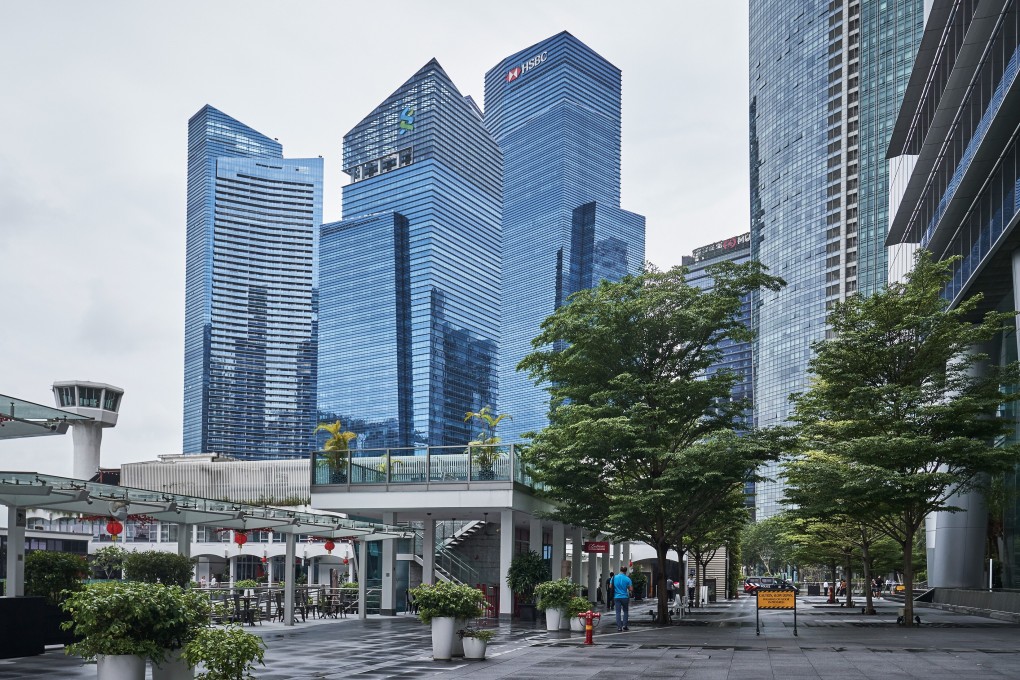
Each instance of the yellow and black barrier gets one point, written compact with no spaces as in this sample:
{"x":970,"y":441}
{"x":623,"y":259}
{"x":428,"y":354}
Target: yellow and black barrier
{"x":779,"y":598}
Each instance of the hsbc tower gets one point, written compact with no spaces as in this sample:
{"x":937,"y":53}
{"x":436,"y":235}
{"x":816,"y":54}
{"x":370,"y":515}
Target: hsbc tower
{"x":554,"y":110}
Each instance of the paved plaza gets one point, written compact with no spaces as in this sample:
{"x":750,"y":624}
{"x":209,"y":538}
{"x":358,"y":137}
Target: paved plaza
{"x":716,"y":643}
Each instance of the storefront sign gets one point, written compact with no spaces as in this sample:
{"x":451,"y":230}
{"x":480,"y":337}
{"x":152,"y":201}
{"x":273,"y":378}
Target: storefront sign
{"x":596,"y":546}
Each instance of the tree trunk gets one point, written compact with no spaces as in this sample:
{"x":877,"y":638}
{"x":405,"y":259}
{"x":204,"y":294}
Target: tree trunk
{"x":660,"y":560}
{"x":908,"y":578}
{"x":849,"y":580}
{"x":831,"y":595}
{"x":869,"y":604}
{"x":697,"y":580}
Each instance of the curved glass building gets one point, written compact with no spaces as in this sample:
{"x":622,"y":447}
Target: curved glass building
{"x":826,"y":79}
{"x":554,"y":110}
{"x":250,"y":318}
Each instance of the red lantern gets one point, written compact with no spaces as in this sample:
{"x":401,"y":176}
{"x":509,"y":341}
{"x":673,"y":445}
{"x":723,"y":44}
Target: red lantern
{"x":264,"y":560}
{"x":345,"y":560}
{"x":113,"y":527}
{"x":240,"y":539}
{"x":329,"y":545}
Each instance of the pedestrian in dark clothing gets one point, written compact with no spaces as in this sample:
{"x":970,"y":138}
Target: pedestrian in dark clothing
{"x":609,"y":591}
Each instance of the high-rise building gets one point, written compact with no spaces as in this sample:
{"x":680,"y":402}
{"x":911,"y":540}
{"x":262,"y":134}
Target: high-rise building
{"x":826,"y":79}
{"x":735,"y":356}
{"x":409,"y":322}
{"x":554,"y":110}
{"x":955,"y":171}
{"x":249,"y":321}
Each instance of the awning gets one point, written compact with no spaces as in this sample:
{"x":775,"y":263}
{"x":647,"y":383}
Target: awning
{"x":20,"y":418}
{"x":34,"y":490}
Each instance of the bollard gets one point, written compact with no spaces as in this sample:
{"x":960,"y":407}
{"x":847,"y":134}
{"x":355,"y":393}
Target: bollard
{"x":589,"y":617}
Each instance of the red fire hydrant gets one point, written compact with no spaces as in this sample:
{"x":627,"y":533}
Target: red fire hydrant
{"x":589,"y":618}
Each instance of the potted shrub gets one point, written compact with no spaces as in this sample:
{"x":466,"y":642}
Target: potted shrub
{"x":640,"y":581}
{"x":225,"y":653}
{"x":336,"y":451}
{"x":527,"y":570}
{"x":156,"y":566}
{"x":247,"y":585}
{"x":553,"y":597}
{"x":475,"y":641}
{"x":577,"y":605}
{"x":54,"y":576}
{"x":486,"y":452}
{"x":441,"y":605}
{"x":122,"y":623}
{"x":184,"y":614}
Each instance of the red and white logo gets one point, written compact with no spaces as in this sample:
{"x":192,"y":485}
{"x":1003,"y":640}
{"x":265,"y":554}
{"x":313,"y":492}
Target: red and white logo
{"x":513,"y":74}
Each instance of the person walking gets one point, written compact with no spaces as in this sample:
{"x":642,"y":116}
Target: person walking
{"x":609,"y":592}
{"x":623,"y":587}
{"x":691,"y":585}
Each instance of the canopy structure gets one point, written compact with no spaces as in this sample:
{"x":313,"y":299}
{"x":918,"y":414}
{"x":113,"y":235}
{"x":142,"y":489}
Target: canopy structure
{"x":20,"y":418}
{"x":21,"y":490}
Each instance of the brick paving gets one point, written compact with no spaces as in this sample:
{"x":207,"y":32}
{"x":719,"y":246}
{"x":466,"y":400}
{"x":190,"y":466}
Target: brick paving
{"x":715,"y":643}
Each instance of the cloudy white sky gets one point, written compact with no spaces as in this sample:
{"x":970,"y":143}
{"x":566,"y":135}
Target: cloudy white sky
{"x":95,"y":102}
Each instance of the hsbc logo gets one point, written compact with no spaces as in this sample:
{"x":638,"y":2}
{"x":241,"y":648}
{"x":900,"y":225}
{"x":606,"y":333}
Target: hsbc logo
{"x":517,"y":71}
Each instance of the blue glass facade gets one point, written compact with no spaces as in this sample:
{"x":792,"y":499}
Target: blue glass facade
{"x":409,"y":328}
{"x":554,"y":110}
{"x":250,"y":318}
{"x":959,"y":128}
{"x":826,"y":78}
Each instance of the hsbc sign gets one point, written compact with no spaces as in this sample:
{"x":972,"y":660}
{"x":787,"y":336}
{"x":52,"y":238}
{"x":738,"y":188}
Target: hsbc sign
{"x":518,"y":71}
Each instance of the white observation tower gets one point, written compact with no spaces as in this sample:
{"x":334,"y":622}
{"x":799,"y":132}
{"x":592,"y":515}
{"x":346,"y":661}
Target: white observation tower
{"x":99,"y":401}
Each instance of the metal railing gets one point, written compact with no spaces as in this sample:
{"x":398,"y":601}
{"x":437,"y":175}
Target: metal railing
{"x":420,"y":465}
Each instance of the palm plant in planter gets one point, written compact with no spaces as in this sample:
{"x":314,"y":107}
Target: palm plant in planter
{"x":442,"y":605}
{"x":553,"y":597}
{"x":225,"y":653}
{"x":486,"y":452}
{"x":475,"y":641}
{"x":121,"y":623}
{"x":526,"y":571}
{"x":337,"y":448}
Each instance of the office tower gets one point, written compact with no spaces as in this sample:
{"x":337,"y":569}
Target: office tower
{"x":554,"y":110}
{"x":735,"y":356}
{"x":956,"y":192}
{"x":826,"y":78}
{"x":409,"y":322}
{"x":249,"y":321}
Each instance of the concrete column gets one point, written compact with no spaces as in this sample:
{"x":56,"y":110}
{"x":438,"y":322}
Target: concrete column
{"x":559,"y":549}
{"x":616,"y":558}
{"x":626,"y":554}
{"x":604,"y":573}
{"x":593,"y":576}
{"x":388,"y":606}
{"x":506,"y":554}
{"x":577,"y":550}
{"x":288,"y":577}
{"x":535,"y":536}
{"x":362,"y":579}
{"x":232,"y":562}
{"x":184,"y":540}
{"x":428,"y":549}
{"x":87,"y":438}
{"x":16,"y":522}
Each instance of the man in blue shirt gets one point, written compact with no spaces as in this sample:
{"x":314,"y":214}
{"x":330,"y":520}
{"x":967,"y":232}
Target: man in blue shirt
{"x":622,"y":589}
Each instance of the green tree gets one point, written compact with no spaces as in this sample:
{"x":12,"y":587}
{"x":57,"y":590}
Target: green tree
{"x":337,"y":448}
{"x":639,"y":443}
{"x":487,"y":452}
{"x":897,"y":406}
{"x":765,"y":544}
{"x":712,"y":531}
{"x":109,"y":560}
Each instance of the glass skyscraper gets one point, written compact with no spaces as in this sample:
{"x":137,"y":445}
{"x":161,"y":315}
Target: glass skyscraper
{"x":554,"y":110}
{"x":250,"y":318}
{"x":826,"y":79}
{"x":409,"y":323}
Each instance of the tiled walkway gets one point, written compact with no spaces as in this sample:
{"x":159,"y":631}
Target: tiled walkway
{"x":716,"y":643}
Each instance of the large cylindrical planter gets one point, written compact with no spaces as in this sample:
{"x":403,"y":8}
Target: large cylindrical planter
{"x":458,"y":641}
{"x":576,"y":625}
{"x":121,"y":667}
{"x":173,"y":667}
{"x":552,"y":618}
{"x":564,"y":620}
{"x":474,"y":648}
{"x":444,"y":629}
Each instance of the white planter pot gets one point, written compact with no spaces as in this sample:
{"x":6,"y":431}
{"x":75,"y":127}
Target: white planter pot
{"x":458,"y":642}
{"x":474,"y":648}
{"x":552,"y":618}
{"x":174,"y":667}
{"x":576,"y":626}
{"x":121,"y":667}
{"x":564,"y":621}
{"x":443,"y":632}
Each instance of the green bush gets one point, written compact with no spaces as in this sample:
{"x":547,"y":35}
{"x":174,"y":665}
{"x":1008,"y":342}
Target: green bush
{"x":246,"y":583}
{"x":526,"y":571}
{"x":447,"y":599}
{"x":577,"y":605}
{"x":126,"y":617}
{"x":54,"y":575}
{"x":156,"y":566}
{"x":556,"y":594}
{"x":227,"y":653}
{"x":481,"y":634}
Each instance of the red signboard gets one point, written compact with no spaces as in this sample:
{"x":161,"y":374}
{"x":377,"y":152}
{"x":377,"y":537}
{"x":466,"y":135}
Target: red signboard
{"x":596,"y":546}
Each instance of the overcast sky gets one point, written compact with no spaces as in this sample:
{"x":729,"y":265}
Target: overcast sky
{"x":96,"y":99}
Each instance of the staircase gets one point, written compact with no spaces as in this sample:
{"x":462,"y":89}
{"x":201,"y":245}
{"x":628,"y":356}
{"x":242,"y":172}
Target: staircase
{"x":449,"y":566}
